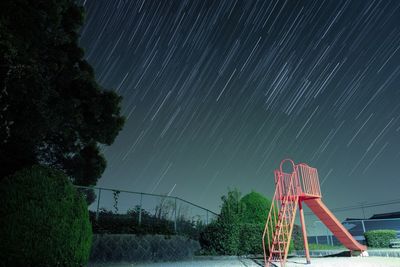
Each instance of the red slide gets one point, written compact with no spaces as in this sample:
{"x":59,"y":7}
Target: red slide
{"x":330,"y":221}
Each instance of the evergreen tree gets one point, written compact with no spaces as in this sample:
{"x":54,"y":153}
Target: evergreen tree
{"x":52,"y":110}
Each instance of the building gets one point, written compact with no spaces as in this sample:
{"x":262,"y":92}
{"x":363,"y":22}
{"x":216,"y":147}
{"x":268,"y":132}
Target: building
{"x":357,"y":227}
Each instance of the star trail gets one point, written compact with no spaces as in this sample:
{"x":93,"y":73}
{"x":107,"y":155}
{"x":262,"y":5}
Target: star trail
{"x":217,"y":93}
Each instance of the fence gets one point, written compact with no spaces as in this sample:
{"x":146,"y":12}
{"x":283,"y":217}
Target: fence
{"x":121,"y":212}
{"x":319,"y":234}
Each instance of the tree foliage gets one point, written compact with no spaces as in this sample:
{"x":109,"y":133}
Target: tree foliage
{"x":52,"y":110}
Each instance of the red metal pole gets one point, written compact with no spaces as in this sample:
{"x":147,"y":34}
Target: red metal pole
{"x":303,"y":229}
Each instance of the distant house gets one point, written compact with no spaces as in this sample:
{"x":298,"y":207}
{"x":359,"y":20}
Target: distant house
{"x":390,"y":215}
{"x":357,"y":227}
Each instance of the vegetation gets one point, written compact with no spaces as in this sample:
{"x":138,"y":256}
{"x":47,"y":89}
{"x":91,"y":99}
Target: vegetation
{"x":239,"y":228}
{"x":255,"y":208}
{"x":313,"y":246}
{"x":52,"y":111}
{"x":161,"y":222}
{"x":44,"y":220}
{"x":379,"y":238}
{"x":297,"y":238}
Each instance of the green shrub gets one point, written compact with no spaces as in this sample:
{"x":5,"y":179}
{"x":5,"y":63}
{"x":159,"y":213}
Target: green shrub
{"x":239,"y":228}
{"x":255,"y":208}
{"x":44,"y":220}
{"x":210,"y":239}
{"x":222,"y":236}
{"x":250,"y":238}
{"x":297,"y":238}
{"x":379,"y":238}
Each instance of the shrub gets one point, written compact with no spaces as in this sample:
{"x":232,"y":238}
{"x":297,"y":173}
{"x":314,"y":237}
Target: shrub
{"x":250,"y":238}
{"x":297,"y":238}
{"x":255,"y":208}
{"x":379,"y":238}
{"x":210,"y":239}
{"x":44,"y":220}
{"x":109,"y":222}
{"x":239,"y":228}
{"x":222,"y":236}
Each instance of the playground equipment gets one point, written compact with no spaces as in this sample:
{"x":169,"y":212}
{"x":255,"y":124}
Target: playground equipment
{"x":291,"y":189}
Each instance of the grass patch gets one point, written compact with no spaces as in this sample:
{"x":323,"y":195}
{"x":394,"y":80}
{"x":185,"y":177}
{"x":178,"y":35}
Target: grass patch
{"x":313,"y":246}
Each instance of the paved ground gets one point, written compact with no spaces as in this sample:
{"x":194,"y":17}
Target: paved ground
{"x":346,"y":261}
{"x":225,"y":262}
{"x":293,"y":262}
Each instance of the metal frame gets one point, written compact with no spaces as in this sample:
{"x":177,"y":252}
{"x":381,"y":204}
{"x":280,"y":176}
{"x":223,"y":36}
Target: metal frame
{"x":208,"y":213}
{"x":290,"y":190}
{"x":301,"y":185}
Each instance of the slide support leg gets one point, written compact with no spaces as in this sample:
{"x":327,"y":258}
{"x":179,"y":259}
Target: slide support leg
{"x":303,"y":229}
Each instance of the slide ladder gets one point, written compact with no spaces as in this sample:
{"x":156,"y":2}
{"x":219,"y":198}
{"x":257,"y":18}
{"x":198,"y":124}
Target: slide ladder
{"x":279,"y":226}
{"x":291,"y":189}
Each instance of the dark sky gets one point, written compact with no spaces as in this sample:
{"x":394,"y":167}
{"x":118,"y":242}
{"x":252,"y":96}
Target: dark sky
{"x":217,"y":93}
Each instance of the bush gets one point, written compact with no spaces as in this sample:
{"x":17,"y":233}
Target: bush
{"x":222,"y":236}
{"x":44,"y":220}
{"x":250,"y":238}
{"x":379,"y":238}
{"x":297,"y":238}
{"x":239,"y":228}
{"x":210,"y":239}
{"x":255,"y":208}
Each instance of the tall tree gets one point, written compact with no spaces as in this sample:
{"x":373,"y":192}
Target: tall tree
{"x":52,"y":110}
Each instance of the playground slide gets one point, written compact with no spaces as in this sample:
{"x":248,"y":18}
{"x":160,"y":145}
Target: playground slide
{"x":330,"y":221}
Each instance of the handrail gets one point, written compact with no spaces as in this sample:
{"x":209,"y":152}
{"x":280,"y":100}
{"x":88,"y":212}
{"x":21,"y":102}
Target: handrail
{"x":269,"y":218}
{"x":145,"y":194}
{"x":284,"y":202}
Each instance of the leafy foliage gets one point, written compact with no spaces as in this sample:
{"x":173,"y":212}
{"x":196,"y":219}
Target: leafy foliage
{"x":44,"y":220}
{"x":254,"y":215}
{"x":379,"y":238}
{"x":255,"y":208}
{"x":110,"y":223}
{"x":250,"y":238}
{"x":239,"y":228}
{"x":297,"y":238}
{"x":52,"y":111}
{"x":229,"y":223}
{"x":160,"y":222}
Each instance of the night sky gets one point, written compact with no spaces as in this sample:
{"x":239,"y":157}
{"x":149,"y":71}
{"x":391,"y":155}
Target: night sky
{"x":217,"y":93}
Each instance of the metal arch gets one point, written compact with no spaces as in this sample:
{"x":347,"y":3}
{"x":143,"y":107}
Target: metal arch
{"x":283,"y":161}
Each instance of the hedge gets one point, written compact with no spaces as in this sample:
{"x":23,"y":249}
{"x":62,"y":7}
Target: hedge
{"x":44,"y":220}
{"x":250,"y":238}
{"x":379,"y":238}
